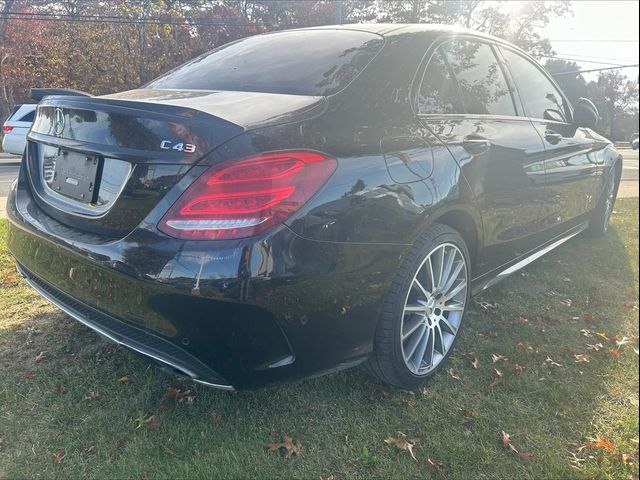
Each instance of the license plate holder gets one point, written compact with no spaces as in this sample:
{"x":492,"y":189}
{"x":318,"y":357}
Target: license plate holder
{"x":75,"y":175}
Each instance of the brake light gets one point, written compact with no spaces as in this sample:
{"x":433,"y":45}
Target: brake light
{"x":6,"y":128}
{"x":245,"y":197}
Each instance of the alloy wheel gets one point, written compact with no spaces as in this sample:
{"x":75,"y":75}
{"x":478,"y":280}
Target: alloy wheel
{"x":433,"y":309}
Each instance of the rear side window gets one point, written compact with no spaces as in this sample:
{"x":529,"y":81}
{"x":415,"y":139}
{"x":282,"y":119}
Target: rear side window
{"x":312,"y":62}
{"x":28,"y":117}
{"x":480,"y":79}
{"x":540,"y":97}
{"x":438,"y":92}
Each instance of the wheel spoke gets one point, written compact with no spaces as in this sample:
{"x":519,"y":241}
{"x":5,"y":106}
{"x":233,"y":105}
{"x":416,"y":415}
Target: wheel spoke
{"x":441,"y":266}
{"x":419,"y":353}
{"x":443,"y":349}
{"x":413,"y":343}
{"x":413,"y":308}
{"x":453,"y":276}
{"x":455,"y":291}
{"x":416,"y":325}
{"x":453,"y":330}
{"x":453,"y":307}
{"x":424,"y":292}
{"x":433,"y":282}
{"x":448,"y":263}
{"x":432,"y":343}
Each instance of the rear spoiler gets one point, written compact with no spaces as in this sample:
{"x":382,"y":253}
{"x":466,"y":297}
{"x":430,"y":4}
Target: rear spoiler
{"x":38,"y":94}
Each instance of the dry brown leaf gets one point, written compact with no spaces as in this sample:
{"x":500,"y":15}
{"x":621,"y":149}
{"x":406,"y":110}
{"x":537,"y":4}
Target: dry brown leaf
{"x":525,"y":456}
{"x":216,"y":418}
{"x":437,"y":467}
{"x":178,"y":395}
{"x":596,"y":346}
{"x":288,"y":447}
{"x":124,"y":379}
{"x":498,"y":358}
{"x":550,"y":361}
{"x":497,"y":378}
{"x":154,"y":423}
{"x":41,"y":355}
{"x":60,"y":389}
{"x":453,"y":374}
{"x":58,"y":455}
{"x":92,"y":396}
{"x":28,"y":374}
{"x":4,"y":474}
{"x":518,"y":368}
{"x":614,"y":352}
{"x":401,"y":442}
{"x":409,"y":402}
{"x":506,"y":439}
{"x":521,"y":320}
{"x":580,"y":358}
{"x":468,"y":413}
{"x":588,"y":317}
{"x":521,"y":346}
{"x":602,"y":443}
{"x":475,"y":361}
{"x":143,"y":420}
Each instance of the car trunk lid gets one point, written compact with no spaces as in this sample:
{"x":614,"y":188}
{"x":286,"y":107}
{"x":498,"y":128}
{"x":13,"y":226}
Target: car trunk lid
{"x":101,"y":164}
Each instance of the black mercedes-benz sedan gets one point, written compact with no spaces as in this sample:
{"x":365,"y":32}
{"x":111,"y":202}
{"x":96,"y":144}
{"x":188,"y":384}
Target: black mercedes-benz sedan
{"x":303,"y":201}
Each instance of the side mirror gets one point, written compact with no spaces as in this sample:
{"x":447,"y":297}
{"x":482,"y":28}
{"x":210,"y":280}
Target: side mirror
{"x":585,"y":114}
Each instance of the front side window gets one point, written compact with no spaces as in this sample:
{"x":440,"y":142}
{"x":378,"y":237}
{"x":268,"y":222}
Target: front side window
{"x":482,"y":85}
{"x":438,"y":92}
{"x":312,"y":62}
{"x":540,"y":97}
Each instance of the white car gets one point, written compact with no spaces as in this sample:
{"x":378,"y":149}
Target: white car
{"x":16,"y":127}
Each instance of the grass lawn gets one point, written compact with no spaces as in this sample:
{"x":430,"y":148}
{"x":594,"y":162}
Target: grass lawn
{"x":73,"y":405}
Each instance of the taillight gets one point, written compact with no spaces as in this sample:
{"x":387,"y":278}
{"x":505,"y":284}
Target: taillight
{"x":245,"y":197}
{"x":6,"y":128}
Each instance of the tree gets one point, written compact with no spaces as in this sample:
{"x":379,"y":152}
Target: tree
{"x":617,"y":100}
{"x":573,"y":85}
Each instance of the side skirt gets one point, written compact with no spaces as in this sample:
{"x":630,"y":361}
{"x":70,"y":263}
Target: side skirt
{"x":487,"y":281}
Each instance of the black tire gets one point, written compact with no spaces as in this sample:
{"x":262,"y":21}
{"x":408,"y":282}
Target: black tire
{"x":387,"y":361}
{"x":599,"y":223}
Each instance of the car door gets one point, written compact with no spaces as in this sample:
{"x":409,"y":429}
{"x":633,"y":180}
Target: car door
{"x":16,"y":128}
{"x":464,"y":98}
{"x":572,"y":162}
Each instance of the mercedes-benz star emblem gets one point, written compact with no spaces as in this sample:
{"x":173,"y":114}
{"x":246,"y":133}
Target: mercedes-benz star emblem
{"x":58,"y":122}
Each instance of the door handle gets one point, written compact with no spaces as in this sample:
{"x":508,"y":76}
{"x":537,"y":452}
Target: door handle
{"x":552,"y":137}
{"x":476,"y":144}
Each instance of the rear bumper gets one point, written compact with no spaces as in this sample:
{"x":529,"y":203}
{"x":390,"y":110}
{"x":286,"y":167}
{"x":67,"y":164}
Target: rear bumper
{"x":227,"y":314}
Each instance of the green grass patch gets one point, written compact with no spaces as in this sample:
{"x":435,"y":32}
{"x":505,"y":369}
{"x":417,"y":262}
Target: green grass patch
{"x":65,"y":414}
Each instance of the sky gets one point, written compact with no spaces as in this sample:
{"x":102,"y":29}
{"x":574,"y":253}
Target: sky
{"x":598,"y":31}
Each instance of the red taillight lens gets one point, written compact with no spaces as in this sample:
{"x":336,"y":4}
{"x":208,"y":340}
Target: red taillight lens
{"x":245,"y":197}
{"x":6,"y":128}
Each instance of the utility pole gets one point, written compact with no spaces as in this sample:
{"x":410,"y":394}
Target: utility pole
{"x":338,"y":5}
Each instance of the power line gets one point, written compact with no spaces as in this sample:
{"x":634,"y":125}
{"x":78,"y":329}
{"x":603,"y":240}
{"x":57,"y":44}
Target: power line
{"x":611,"y":40}
{"x":575,"y":72}
{"x":569,"y":59}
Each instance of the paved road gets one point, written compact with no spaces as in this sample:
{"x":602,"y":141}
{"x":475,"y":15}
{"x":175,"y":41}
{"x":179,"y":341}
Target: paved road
{"x":629,"y":187}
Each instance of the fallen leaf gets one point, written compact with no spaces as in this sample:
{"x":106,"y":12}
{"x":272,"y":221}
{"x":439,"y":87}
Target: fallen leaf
{"x":521,"y":346}
{"x":216,"y":418}
{"x":518,"y":368}
{"x":167,"y":450}
{"x":468,"y":413}
{"x":622,"y":341}
{"x":580,"y":358}
{"x":614,"y":352}
{"x":124,"y":379}
{"x":178,"y":395}
{"x":567,"y":302}
{"x":401,"y":442}
{"x":475,"y":362}
{"x":453,"y":374}
{"x":154,"y":423}
{"x":58,"y":455}
{"x":142,"y":420}
{"x":602,"y":335}
{"x":92,"y":396}
{"x":288,"y":447}
{"x":41,"y":355}
{"x":497,"y":378}
{"x":521,"y":320}
{"x":28,"y":374}
{"x":596,"y":346}
{"x":409,"y":402}
{"x":60,"y":389}
{"x":550,"y":361}
{"x":526,"y":456}
{"x":497,"y":358}
{"x":588,"y":317}
{"x":602,"y":443}
{"x":436,"y":466}
{"x":506,"y":439}
{"x":585,"y":332}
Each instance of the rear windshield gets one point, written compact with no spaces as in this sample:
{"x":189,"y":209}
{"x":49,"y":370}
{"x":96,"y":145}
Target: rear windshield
{"x":312,"y":62}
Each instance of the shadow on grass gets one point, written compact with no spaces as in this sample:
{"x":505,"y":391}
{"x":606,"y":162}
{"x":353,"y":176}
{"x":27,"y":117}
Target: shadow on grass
{"x":84,"y":407}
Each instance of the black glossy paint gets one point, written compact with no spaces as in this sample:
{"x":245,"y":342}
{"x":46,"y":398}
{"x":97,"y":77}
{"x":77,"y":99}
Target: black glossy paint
{"x":302,"y":299}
